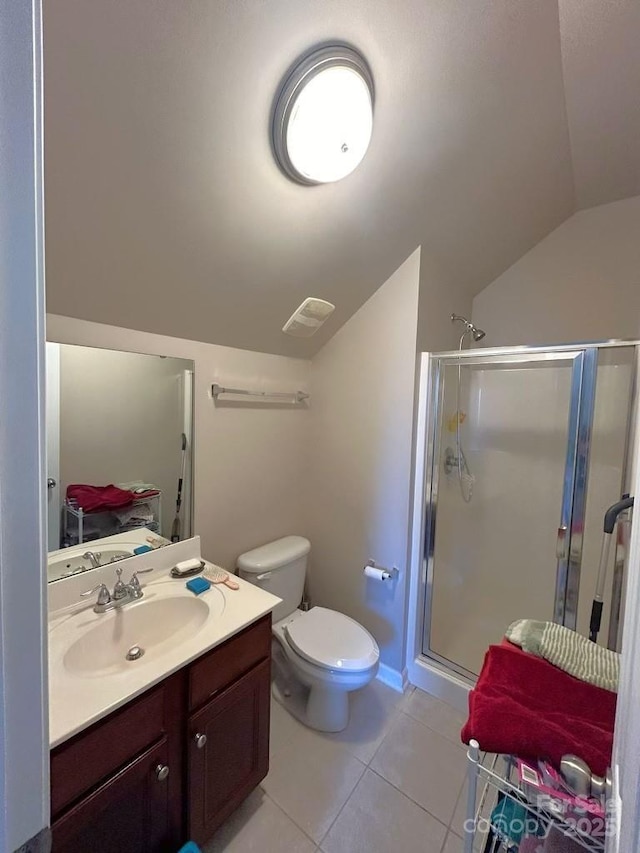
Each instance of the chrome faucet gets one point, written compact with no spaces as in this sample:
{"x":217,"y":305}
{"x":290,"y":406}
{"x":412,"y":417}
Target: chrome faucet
{"x":93,"y":558}
{"x":123,"y":593}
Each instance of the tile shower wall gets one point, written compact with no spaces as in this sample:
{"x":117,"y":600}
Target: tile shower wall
{"x":248,"y":482}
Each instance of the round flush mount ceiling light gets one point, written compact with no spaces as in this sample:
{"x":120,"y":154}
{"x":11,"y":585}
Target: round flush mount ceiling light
{"x":323,"y":116}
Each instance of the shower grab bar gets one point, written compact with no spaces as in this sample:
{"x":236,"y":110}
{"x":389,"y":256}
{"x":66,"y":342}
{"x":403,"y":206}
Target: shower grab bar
{"x":293,"y":397}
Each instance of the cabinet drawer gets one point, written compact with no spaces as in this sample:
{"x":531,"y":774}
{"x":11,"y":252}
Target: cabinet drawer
{"x":91,"y":756}
{"x":229,"y":662}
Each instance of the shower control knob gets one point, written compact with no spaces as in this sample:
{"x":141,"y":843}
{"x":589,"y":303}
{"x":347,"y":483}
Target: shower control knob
{"x":162,"y":771}
{"x":200,"y":740}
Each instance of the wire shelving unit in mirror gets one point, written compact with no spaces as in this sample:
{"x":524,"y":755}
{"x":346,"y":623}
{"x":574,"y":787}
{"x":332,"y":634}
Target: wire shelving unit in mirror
{"x":79,"y":526}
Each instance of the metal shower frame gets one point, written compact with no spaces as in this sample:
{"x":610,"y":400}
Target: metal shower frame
{"x":583,"y":359}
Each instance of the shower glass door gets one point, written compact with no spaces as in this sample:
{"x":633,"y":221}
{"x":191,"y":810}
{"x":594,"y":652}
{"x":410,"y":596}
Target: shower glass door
{"x":508,"y":466}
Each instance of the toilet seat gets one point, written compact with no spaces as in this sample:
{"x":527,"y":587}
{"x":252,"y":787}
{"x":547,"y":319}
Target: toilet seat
{"x":331,"y":640}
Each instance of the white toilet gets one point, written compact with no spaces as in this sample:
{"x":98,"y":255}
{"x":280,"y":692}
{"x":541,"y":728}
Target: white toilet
{"x":319,"y":655}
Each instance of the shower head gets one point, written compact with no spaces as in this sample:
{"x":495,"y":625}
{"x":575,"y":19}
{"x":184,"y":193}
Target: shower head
{"x":478,"y":334}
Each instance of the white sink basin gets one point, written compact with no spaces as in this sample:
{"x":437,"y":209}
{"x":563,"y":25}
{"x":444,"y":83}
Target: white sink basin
{"x":154,"y":625}
{"x":74,"y":562}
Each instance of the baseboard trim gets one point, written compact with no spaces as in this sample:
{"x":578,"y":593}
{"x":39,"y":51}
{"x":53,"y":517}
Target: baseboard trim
{"x":392,"y":677}
{"x":440,"y":683}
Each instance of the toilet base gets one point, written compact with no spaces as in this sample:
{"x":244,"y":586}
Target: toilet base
{"x":326,"y":710}
{"x":315,"y":708}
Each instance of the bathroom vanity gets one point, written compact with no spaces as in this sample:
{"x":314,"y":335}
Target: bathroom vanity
{"x":173,"y":756}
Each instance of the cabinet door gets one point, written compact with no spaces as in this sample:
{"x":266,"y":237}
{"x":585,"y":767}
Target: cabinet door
{"x":129,"y":812}
{"x":228,"y":751}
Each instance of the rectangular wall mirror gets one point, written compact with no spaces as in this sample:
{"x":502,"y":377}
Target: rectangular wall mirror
{"x":120,"y":420}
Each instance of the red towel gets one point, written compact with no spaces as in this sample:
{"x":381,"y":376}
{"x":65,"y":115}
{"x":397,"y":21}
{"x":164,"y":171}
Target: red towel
{"x":525,"y":706}
{"x":95,"y":498}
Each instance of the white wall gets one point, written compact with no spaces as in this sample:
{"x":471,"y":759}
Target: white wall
{"x":121,"y":419}
{"x":440,"y":297}
{"x":24,"y":745}
{"x":359,"y":461}
{"x":247,"y":477}
{"x":580,"y":283}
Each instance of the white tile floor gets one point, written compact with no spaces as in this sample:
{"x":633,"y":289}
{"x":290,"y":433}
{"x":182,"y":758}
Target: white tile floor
{"x":390,"y":782}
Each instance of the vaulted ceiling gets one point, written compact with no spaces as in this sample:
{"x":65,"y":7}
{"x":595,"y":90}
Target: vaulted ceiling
{"x":165,"y":210}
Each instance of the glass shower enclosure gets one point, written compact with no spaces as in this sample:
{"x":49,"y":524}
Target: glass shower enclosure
{"x":526,"y":448}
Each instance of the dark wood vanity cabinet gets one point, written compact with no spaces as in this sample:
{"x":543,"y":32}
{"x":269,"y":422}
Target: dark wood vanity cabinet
{"x":172,"y":764}
{"x":228,"y":751}
{"x":130,"y":811}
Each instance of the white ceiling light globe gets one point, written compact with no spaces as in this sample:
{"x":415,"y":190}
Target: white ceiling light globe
{"x":324,"y":116}
{"x":330,"y":125}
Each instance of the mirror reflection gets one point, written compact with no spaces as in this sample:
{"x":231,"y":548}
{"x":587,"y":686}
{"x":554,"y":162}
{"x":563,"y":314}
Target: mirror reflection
{"x":119,"y":454}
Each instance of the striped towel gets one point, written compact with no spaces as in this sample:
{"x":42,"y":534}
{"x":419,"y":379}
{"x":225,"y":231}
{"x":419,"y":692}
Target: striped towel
{"x":567,"y":650}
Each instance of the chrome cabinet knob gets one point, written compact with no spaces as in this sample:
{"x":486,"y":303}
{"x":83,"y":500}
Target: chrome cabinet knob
{"x":200,"y":740}
{"x":51,"y":483}
{"x":162,"y":771}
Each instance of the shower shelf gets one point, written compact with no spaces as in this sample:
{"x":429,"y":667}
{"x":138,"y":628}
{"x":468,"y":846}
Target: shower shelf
{"x":488,"y":777}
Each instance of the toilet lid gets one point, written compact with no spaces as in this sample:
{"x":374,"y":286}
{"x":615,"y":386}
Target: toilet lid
{"x":332,"y":640}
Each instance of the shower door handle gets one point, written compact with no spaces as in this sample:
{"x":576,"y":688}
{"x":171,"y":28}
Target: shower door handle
{"x":561,"y":542}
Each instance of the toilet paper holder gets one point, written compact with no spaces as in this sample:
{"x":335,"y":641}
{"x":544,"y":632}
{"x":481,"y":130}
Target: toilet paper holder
{"x":387,"y":574}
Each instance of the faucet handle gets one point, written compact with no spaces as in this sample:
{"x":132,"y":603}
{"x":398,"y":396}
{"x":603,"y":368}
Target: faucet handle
{"x":103,"y":593}
{"x":134,"y":583}
{"x":119,"y":590}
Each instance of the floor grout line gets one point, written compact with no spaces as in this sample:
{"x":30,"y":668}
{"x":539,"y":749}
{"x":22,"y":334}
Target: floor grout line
{"x":294,"y":821}
{"x":288,"y":816}
{"x":446,"y":740}
{"x":411,"y":800}
{"x":431,"y":729}
{"x":393,"y":718}
{"x":390,"y":726}
{"x":342,"y":807}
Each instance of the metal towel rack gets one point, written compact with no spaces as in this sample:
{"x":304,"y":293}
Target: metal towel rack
{"x":295,"y":398}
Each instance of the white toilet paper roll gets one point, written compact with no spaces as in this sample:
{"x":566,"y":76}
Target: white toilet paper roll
{"x":376,"y":574}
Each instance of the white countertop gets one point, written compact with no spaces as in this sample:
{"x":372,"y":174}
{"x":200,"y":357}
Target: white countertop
{"x":77,"y":701}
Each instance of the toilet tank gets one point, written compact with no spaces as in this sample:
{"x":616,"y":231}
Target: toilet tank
{"x":280,"y":568}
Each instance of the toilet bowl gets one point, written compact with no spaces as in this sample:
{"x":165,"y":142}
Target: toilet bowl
{"x":330,"y":655}
{"x":319,"y":655}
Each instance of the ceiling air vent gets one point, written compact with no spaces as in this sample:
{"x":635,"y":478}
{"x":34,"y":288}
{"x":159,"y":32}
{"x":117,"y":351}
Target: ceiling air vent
{"x":308,"y":318}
